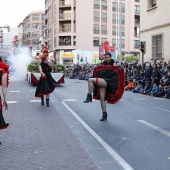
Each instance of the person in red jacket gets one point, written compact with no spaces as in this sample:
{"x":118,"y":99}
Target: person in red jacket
{"x":4,"y":82}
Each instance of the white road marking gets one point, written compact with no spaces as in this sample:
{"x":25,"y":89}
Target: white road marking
{"x":153,"y":106}
{"x":35,"y":101}
{"x":110,"y":150}
{"x":69,"y":100}
{"x":11,"y":101}
{"x":15,"y":91}
{"x":139,"y":99}
{"x":32,"y":90}
{"x":155,"y":127}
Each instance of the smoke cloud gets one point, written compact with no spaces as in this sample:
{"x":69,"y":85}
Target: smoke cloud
{"x":19,"y":62}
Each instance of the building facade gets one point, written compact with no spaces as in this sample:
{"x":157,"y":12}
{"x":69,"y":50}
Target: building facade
{"x":155,"y":29}
{"x":33,"y":29}
{"x":75,"y":29}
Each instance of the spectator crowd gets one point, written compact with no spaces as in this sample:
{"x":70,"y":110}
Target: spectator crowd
{"x":152,"y":79}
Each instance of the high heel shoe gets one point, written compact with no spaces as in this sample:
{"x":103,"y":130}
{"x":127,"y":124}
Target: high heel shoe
{"x":42,"y":100}
{"x":88,"y":99}
{"x":104,"y":117}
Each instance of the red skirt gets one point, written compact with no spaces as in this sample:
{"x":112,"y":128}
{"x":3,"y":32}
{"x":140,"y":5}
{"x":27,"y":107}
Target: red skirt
{"x":3,"y":125}
{"x":115,"y":78}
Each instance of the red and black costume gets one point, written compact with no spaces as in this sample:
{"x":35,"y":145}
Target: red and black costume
{"x":4,"y":68}
{"x":46,"y":84}
{"x":115,"y":78}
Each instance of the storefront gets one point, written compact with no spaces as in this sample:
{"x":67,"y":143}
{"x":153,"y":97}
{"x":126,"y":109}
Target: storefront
{"x":67,"y":58}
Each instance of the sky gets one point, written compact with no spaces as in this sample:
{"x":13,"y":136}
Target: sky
{"x":13,"y":12}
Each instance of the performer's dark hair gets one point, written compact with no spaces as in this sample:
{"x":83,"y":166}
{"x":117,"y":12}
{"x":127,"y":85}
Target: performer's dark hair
{"x":109,"y":54}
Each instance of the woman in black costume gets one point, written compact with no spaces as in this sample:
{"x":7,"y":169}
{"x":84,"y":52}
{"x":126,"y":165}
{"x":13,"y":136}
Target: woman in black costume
{"x":107,"y":85}
{"x":46,"y":83}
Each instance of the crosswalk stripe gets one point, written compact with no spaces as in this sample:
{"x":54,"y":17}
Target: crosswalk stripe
{"x":35,"y":101}
{"x":11,"y":101}
{"x":155,"y":127}
{"x":15,"y":91}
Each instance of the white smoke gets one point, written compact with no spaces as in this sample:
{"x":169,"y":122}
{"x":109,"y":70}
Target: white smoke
{"x":19,"y":63}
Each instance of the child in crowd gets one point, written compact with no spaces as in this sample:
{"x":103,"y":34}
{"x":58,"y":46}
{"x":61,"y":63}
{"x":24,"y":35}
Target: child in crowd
{"x":154,"y":90}
{"x":147,"y":88}
{"x":138,"y":88}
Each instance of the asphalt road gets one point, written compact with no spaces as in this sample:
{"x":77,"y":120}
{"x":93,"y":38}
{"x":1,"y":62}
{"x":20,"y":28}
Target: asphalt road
{"x":135,"y":136}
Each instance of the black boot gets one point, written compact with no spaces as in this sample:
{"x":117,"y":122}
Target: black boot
{"x":88,"y":99}
{"x":47,"y":102}
{"x":104,"y":116}
{"x":42,"y":100}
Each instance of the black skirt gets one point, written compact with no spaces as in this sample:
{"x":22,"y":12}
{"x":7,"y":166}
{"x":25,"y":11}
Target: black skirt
{"x":45,"y":86}
{"x":115,"y":78}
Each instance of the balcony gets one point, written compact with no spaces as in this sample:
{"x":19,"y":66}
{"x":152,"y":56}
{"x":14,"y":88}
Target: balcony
{"x":66,"y":3}
{"x":65,"y":29}
{"x":64,"y":17}
{"x":64,"y":43}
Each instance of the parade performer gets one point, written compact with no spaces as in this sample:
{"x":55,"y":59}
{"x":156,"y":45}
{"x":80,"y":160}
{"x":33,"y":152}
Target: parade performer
{"x":4,"y":82}
{"x":46,"y":83}
{"x":107,"y":85}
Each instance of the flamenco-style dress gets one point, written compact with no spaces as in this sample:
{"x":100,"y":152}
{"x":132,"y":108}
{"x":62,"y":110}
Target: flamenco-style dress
{"x":46,"y":84}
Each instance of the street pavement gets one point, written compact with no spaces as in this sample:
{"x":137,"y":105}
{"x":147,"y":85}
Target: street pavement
{"x":38,"y":138}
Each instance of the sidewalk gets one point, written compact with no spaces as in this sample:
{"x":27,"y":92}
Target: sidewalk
{"x":37,"y":137}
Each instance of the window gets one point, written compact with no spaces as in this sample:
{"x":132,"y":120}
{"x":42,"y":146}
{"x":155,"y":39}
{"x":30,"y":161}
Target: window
{"x":114,"y":31}
{"x":96,"y":29}
{"x":104,"y":29}
{"x":136,"y":44}
{"x":96,"y":16}
{"x":104,"y":17}
{"x":137,"y":9}
{"x":123,"y":19}
{"x":157,"y":46}
{"x":104,"y":5}
{"x":137,"y":32}
{"x":114,"y":6}
{"x":114,"y":19}
{"x":96,"y":41}
{"x":96,"y":4}
{"x":36,"y":25}
{"x":153,"y":3}
{"x":103,"y":40}
{"x":35,"y":17}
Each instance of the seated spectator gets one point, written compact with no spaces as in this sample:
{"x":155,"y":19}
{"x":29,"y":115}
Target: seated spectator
{"x":161,"y":91}
{"x":154,"y":90}
{"x":167,"y":92}
{"x":147,"y":88}
{"x":131,"y":85}
{"x":138,"y":88}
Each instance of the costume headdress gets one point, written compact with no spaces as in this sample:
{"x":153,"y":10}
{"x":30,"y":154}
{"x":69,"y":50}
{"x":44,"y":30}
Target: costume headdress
{"x":45,"y":52}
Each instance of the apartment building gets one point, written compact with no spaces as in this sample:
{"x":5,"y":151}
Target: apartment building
{"x":33,"y":29}
{"x":75,"y":28}
{"x":20,"y":33}
{"x":155,"y":29}
{"x":6,"y":36}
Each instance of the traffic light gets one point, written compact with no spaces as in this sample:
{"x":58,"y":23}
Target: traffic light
{"x":143,"y":47}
